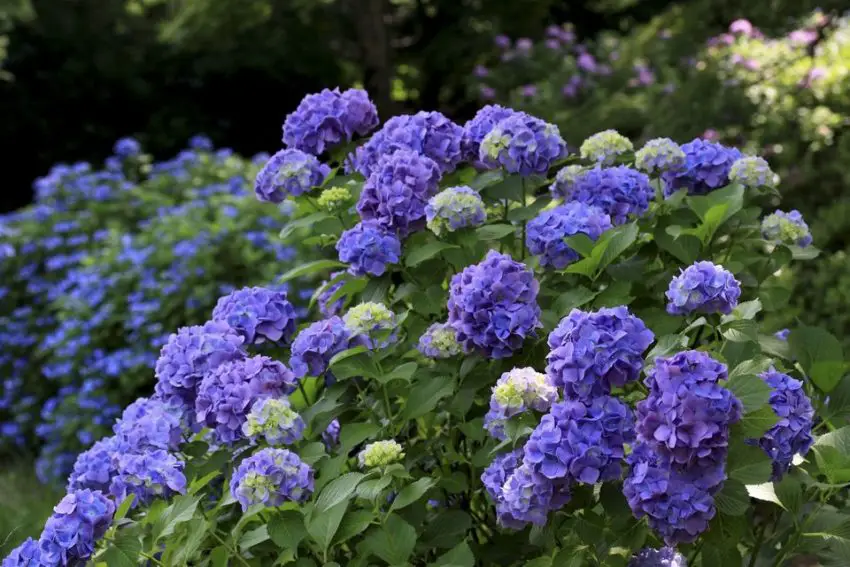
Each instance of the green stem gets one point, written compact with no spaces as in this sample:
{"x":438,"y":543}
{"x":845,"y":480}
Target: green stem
{"x":757,"y":545}
{"x":696,"y":553}
{"x":304,"y":393}
{"x":524,"y":222}
{"x":150,"y":557}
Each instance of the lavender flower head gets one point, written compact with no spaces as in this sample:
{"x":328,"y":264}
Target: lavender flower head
{"x":380,"y":454}
{"x":289,"y":172}
{"x":659,"y":155}
{"x":493,"y":305}
{"x":605,"y":147}
{"x":79,"y":520}
{"x":515,"y":392}
{"x":546,"y":233}
{"x":786,"y":228}
{"x":395,"y":194}
{"x":314,"y":346}
{"x":591,"y":353}
{"x":782,"y":334}
{"x":703,"y":288}
{"x":330,"y":436}
{"x":565,"y":181}
{"x":150,"y":424}
{"x":271,"y":477}
{"x":522,"y":144}
{"x":752,"y":172}
{"x":258,"y":314}
{"x":327,"y":118}
{"x":707,"y":167}
{"x":439,"y":341}
{"x":274,"y":420}
{"x":148,"y":475}
{"x":664,"y":557}
{"x":453,"y":209}
{"x":326,"y":308}
{"x":367,"y":248}
{"x":619,"y":192}
{"x":95,"y":467}
{"x":497,"y":472}
{"x":25,"y":555}
{"x":528,"y":497}
{"x":481,"y":124}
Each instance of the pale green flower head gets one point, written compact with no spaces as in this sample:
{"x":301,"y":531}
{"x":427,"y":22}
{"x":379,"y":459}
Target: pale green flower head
{"x":523,"y":388}
{"x":659,"y":155}
{"x":494,"y":142}
{"x":453,"y":209}
{"x":275,"y":420}
{"x":368,"y":318}
{"x":380,"y":454}
{"x":604,"y":147}
{"x":335,"y":199}
{"x":751,"y":171}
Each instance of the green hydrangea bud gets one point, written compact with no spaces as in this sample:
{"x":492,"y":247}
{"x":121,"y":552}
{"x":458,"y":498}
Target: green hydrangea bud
{"x":659,"y":155}
{"x":753,"y":172}
{"x":494,"y":142}
{"x":369,"y":317}
{"x":335,"y":199}
{"x":275,"y":420}
{"x":380,"y":454}
{"x":604,"y":147}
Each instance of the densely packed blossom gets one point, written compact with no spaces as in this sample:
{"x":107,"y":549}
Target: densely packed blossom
{"x":25,"y":555}
{"x":439,"y":341}
{"x":395,"y":194}
{"x":605,"y":147}
{"x":150,"y":424}
{"x":147,"y":475}
{"x":368,"y":248}
{"x":515,"y":392}
{"x":79,"y":520}
{"x":374,"y":322}
{"x":546,"y":233}
{"x":258,"y":314}
{"x":95,"y":467}
{"x":314,"y":346}
{"x":227,"y":393}
{"x":327,"y":118}
{"x":271,"y":477}
{"x":792,"y":434}
{"x":752,"y":171}
{"x":334,"y":199}
{"x":479,"y":126}
{"x":664,"y":557}
{"x":523,"y":144}
{"x":289,"y":172}
{"x":703,"y":288}
{"x":659,"y":155}
{"x":786,"y":228}
{"x":618,"y":191}
{"x":274,"y":420}
{"x":707,"y":167}
{"x":127,"y":147}
{"x":528,"y":497}
{"x":323,"y":300}
{"x":497,"y":472}
{"x":565,"y":181}
{"x":380,"y":454}
{"x":453,"y":209}
{"x":330,"y":436}
{"x":427,"y":133}
{"x":591,"y":353}
{"x":493,"y":305}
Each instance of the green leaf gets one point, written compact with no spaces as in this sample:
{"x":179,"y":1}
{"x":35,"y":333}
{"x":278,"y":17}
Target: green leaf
{"x":393,"y":542}
{"x":716,"y":208}
{"x":253,"y":537}
{"x":124,"y":550}
{"x":199,"y":483}
{"x":495,"y":231}
{"x":486,"y":179}
{"x":404,"y":372}
{"x":575,"y":297}
{"x":426,"y":395}
{"x":666,"y":345}
{"x":581,"y":243}
{"x":338,"y":490}
{"x":196,"y":533}
{"x":303,"y":222}
{"x":747,"y":309}
{"x":123,"y":508}
{"x":527,"y":213}
{"x":753,"y":392}
{"x":752,"y":366}
{"x":732,"y":499}
{"x":447,"y":529}
{"x":775,"y":347}
{"x":411,"y":493}
{"x":832,"y":453}
{"x":323,"y":526}
{"x":790,"y":493}
{"x":372,"y":488}
{"x":764,"y":492}
{"x":685,"y":247}
{"x":756,"y":423}
{"x":355,"y":433}
{"x":310,"y":268}
{"x":420,"y":254}
{"x":748,"y":464}
{"x":287,"y":529}
{"x":181,"y":510}
{"x":459,"y":556}
{"x":838,"y":409}
{"x":741,"y":331}
{"x":218,"y":556}
{"x":820,"y":354}
{"x":353,"y":524}
{"x":610,"y":246}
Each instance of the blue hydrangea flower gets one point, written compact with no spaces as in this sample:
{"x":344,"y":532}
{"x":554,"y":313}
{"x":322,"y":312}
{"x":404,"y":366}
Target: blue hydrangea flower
{"x":493,"y":305}
{"x":498,"y":471}
{"x":545,"y":233}
{"x":618,"y":191}
{"x":481,"y":124}
{"x":664,"y":557}
{"x":314,"y":346}
{"x":439,"y":341}
{"x":274,"y":420}
{"x":528,"y":497}
{"x":127,"y":147}
{"x":327,"y":118}
{"x":792,"y":434}
{"x":707,"y":167}
{"x":453,"y":209}
{"x":258,"y":314}
{"x":148,"y":475}
{"x":330,"y":436}
{"x":515,"y":392}
{"x":427,"y":133}
{"x":150,"y":424}
{"x":367,"y":248}
{"x":753,"y":172}
{"x":227,"y":393}
{"x":592,"y":352}
{"x":605,"y":147}
{"x":373,"y":323}
{"x":95,"y":467}
{"x":523,"y":144}
{"x":703,"y":288}
{"x":79,"y":520}
{"x":659,"y":155}
{"x":786,"y":228}
{"x":396,"y":192}
{"x":565,"y":181}
{"x":782,"y":334}
{"x":25,"y":555}
{"x":326,"y":308}
{"x":271,"y":477}
{"x":289,"y":172}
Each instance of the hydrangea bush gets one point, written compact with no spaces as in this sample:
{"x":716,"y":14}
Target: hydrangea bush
{"x":466,"y":401}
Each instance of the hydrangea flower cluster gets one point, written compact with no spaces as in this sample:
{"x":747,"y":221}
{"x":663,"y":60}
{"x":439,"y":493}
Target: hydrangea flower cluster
{"x":786,"y":228}
{"x":95,"y":467}
{"x":479,"y":126}
{"x":703,"y":288}
{"x":271,"y":477}
{"x":150,"y":424}
{"x":228,"y":392}
{"x":528,"y":496}
{"x":373,"y":322}
{"x":258,"y":314}
{"x":274,"y":420}
{"x":664,"y":557}
{"x":147,"y":475}
{"x":439,"y":341}
{"x":334,"y":199}
{"x":493,"y":305}
{"x":380,"y":454}
{"x":395,"y":194}
{"x":523,"y":144}
{"x":792,"y":434}
{"x":565,"y":181}
{"x":515,"y":392}
{"x":591,"y":353}
{"x":453,"y":209}
{"x":26,"y":554}
{"x":323,"y":300}
{"x":618,"y":191}
{"x":545,"y":234}
{"x":330,"y":436}
{"x":659,"y":155}
{"x":79,"y":520}
{"x":605,"y":147}
{"x":327,"y":118}
{"x":368,"y":248}
{"x":289,"y":172}
{"x":753,"y":172}
{"x":314,"y":346}
{"x":707,"y":167}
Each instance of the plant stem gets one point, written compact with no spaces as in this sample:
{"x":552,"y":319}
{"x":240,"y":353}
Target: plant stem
{"x":696,"y":553}
{"x":150,"y":557}
{"x":757,"y":545}
{"x":304,"y":393}
{"x":524,"y":222}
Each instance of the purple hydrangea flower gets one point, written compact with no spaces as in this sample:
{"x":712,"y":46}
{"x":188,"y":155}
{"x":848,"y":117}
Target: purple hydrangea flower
{"x":493,"y":305}
{"x":453,"y":209}
{"x":565,"y":181}
{"x":528,"y":497}
{"x":258,"y":314}
{"x":545,"y":234}
{"x":395,"y":194}
{"x":150,"y":424}
{"x":515,"y":392}
{"x":786,"y":228}
{"x":707,"y":167}
{"x":703,"y":288}
{"x":79,"y":520}
{"x":792,"y":434}
{"x":228,"y":392}
{"x":274,"y":420}
{"x":127,"y":147}
{"x":289,"y":172}
{"x":753,"y":172}
{"x":326,"y":308}
{"x":330,"y":436}
{"x":659,"y":155}
{"x":481,"y":124}
{"x":664,"y":557}
{"x":25,"y":555}
{"x":782,"y":334}
{"x":590,"y":353}
{"x":95,"y":467}
{"x":439,"y":341}
{"x":328,"y":118}
{"x":314,"y":346}
{"x":522,"y":144}
{"x":368,"y":248}
{"x":271,"y":477}
{"x":148,"y":475}
{"x":618,"y":191}
{"x":498,"y":471}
